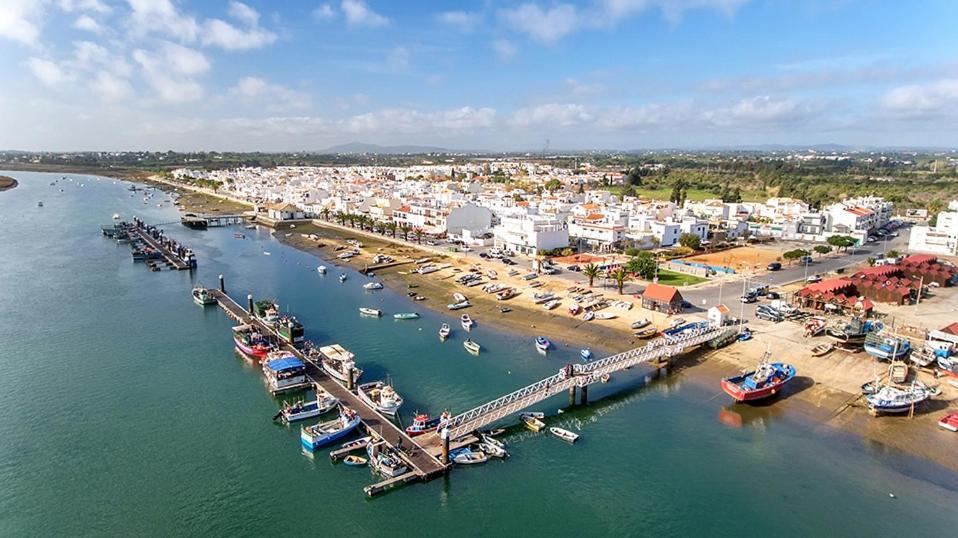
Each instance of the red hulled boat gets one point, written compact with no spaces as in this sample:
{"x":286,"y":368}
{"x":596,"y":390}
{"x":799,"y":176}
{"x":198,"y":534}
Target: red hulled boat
{"x":765,"y":381}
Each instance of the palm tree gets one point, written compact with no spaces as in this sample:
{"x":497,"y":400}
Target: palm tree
{"x":418,"y":233}
{"x":620,"y":276}
{"x":324,"y":213}
{"x":591,"y":271}
{"x":341,"y":217}
{"x":405,"y":229}
{"x":352,"y":219}
{"x":391,"y":226}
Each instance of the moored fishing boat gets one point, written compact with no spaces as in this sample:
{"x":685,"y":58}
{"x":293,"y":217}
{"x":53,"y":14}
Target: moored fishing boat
{"x":266,"y":311}
{"x":543,"y":344}
{"x":444,"y":331}
{"x":251,"y":342}
{"x":894,"y":400}
{"x":324,"y":402}
{"x":317,"y":435}
{"x":466,"y":322}
{"x":885,"y":348}
{"x":763,"y":382}
{"x":854,"y":332}
{"x":533,"y":421}
{"x":384,"y":461}
{"x":458,"y":306}
{"x":564,"y":434}
{"x":202,"y":296}
{"x":585,"y":354}
{"x":290,"y":330}
{"x":471,"y":347}
{"x":406,"y":315}
{"x":370,"y":312}
{"x":284,"y":372}
{"x":321,"y":269}
{"x":381,"y":396}
{"x":338,"y":362}
{"x":370,"y":286}
{"x":422,"y":423}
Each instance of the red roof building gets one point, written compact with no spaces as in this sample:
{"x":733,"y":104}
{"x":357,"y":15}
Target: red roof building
{"x":662,"y":298}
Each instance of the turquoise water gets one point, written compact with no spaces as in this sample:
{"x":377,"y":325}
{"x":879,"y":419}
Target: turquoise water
{"x":124,"y":411}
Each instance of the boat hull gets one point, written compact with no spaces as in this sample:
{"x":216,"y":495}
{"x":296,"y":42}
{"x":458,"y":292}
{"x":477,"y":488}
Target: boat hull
{"x":733,"y":387}
{"x":312,"y":442}
{"x":255,"y":353}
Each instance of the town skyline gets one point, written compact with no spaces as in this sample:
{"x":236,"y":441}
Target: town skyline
{"x":482,"y":76}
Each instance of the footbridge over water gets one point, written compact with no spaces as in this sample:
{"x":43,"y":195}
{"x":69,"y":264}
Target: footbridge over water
{"x":572,"y":376}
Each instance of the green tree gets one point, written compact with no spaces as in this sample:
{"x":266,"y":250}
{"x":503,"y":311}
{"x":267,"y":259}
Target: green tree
{"x":892,"y":253}
{"x":553,"y":185}
{"x":841,"y":241}
{"x":793,"y":255}
{"x":690,"y":240}
{"x":642,"y":264}
{"x":418,"y":233}
{"x":591,"y":271}
{"x":620,"y":276}
{"x":822,"y":249}
{"x":405,"y":229}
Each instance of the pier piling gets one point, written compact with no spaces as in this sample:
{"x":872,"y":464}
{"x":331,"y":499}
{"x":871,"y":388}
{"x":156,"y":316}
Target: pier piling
{"x":222,"y":285}
{"x":249,"y":302}
{"x":444,"y":435}
{"x":571,"y":396}
{"x":349,"y":378}
{"x":584,"y":395}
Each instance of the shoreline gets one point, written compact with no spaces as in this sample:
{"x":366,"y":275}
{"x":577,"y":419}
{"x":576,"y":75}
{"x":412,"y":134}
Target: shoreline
{"x":830,"y":405}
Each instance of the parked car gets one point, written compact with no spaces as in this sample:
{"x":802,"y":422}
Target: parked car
{"x":774,"y":266}
{"x":805,"y":260}
{"x":814,"y":278}
{"x":772,"y":295}
{"x":749,"y":298}
{"x":769,"y":315}
{"x":483,"y":255}
{"x":574,"y":268}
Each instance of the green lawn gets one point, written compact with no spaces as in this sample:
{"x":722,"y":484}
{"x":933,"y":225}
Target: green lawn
{"x":693,"y":194}
{"x":672,"y":278}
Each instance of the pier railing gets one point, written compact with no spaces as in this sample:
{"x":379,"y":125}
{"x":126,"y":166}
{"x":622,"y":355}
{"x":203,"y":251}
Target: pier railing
{"x":581,"y":375}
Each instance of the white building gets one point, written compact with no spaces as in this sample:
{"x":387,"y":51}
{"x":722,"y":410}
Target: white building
{"x":942,"y":238}
{"x":528,"y":234}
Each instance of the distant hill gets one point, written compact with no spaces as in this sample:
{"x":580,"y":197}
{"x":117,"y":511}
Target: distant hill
{"x":360,"y":147}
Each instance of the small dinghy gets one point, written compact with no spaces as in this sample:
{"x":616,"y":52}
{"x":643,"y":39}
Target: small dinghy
{"x":406,"y":315}
{"x":444,"y":331}
{"x":589,"y":316}
{"x":533,"y":421}
{"x":647,"y":332}
{"x":458,"y":297}
{"x":564,"y":434}
{"x":356,"y":444}
{"x":468,"y":457}
{"x":342,"y":277}
{"x":370,"y":286}
{"x":355,"y":461}
{"x":493,"y":450}
{"x":949,"y":422}
{"x":543,"y":344}
{"x":585,"y":354}
{"x":636,"y":325}
{"x":471,"y":347}
{"x":822,"y":349}
{"x":321,"y":269}
{"x":466,"y":322}
{"x":370,"y":312}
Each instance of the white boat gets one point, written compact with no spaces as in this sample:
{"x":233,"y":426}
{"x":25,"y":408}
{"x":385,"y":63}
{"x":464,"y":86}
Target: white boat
{"x":266,"y":253}
{"x":324,"y":402}
{"x":342,"y":277}
{"x":605,"y":315}
{"x":313,"y":437}
{"x":337,"y":362}
{"x":383,"y":461}
{"x":381,"y":396}
{"x":543,"y":344}
{"x":369,"y":286}
{"x":284,"y":372}
{"x":589,"y":316}
{"x":459,"y":305}
{"x":458,"y":297}
{"x":564,"y":434}
{"x":116,"y":216}
{"x":493,"y":450}
{"x":370,"y":312}
{"x":541,"y":298}
{"x":444,"y":331}
{"x":585,"y":354}
{"x":575,"y":309}
{"x":321,"y":269}
{"x":471,"y":347}
{"x":490,"y":440}
{"x":640,"y":323}
{"x":551,"y":304}
{"x":492,"y":275}
{"x":465,"y":456}
{"x":533,"y":421}
{"x":466,"y":322}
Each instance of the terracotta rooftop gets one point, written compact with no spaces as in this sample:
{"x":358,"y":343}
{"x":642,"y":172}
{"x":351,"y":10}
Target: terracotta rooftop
{"x":662,"y":293}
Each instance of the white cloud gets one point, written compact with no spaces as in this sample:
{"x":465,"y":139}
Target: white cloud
{"x":49,"y":73}
{"x":398,"y":59}
{"x":463,"y":20}
{"x":88,"y":55}
{"x":552,"y":114}
{"x":170,"y":72}
{"x":920,"y":101}
{"x":758,"y":111}
{"x":96,"y":6}
{"x":504,"y":48}
{"x":359,"y":14}
{"x":226,"y":36}
{"x":161,"y":16}
{"x":244,"y":13}
{"x":324,"y":12}
{"x":88,"y":23}
{"x":615,"y":10}
{"x":183,"y":60}
{"x":19,"y":21}
{"x":546,"y":25}
{"x":109,"y":87}
{"x":409,"y":121}
{"x":277,"y":97}
{"x":583,"y":89}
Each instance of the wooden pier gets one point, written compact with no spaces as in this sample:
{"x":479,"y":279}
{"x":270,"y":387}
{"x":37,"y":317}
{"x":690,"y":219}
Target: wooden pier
{"x":423,"y":464}
{"x":175,"y":255}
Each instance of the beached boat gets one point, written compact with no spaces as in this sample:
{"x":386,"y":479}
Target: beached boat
{"x":541,"y":298}
{"x":458,"y":297}
{"x":251,"y":342}
{"x":564,"y":434}
{"x":491,"y":274}
{"x":585,"y":354}
{"x":338,"y":362}
{"x":471,"y":347}
{"x":533,"y":421}
{"x":822,"y":349}
{"x":406,"y":315}
{"x":575,"y":309}
{"x":815,"y":326}
{"x":370,"y":286}
{"x":383,"y":461}
{"x":284,"y":372}
{"x":949,"y":422}
{"x":551,"y":304}
{"x":948,"y":365}
{"x":894,"y":400}
{"x":444,"y":331}
{"x":202,"y":296}
{"x":342,"y":277}
{"x":886,"y":348}
{"x":370,"y":312}
{"x":302,"y":410}
{"x":458,"y":306}
{"x":321,"y":269}
{"x":543,"y":344}
{"x":317,"y":435}
{"x":636,"y":325}
{"x":506,"y":294}
{"x":854,"y":332}
{"x":355,"y":461}
{"x":381,"y":396}
{"x":605,"y":315}
{"x":898,"y":372}
{"x":588,"y":316}
{"x":765,"y":381}
{"x":422,"y":423}
{"x":466,"y":322}
{"x":922,"y":357}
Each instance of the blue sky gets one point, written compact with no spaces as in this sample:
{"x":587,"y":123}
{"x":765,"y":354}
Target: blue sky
{"x":500,"y":75}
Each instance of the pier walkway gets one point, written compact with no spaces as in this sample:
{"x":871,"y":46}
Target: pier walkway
{"x":424,"y":464}
{"x":175,"y":255}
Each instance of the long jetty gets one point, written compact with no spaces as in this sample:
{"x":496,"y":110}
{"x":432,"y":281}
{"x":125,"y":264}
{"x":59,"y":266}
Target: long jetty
{"x":140,"y":234}
{"x":428,"y":455}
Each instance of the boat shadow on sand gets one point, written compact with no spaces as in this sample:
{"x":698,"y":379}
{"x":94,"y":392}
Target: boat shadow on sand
{"x":796,"y":386}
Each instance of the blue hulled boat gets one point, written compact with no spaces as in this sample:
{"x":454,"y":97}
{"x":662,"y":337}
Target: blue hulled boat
{"x":886,"y":348}
{"x":765,"y":381}
{"x":313,"y":437}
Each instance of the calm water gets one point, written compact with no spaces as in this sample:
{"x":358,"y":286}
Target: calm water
{"x":124,"y":411}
